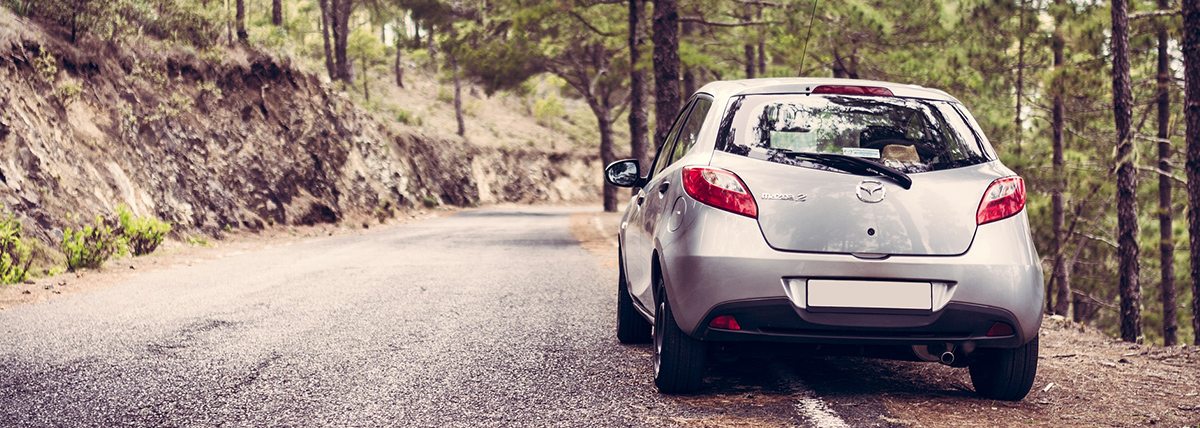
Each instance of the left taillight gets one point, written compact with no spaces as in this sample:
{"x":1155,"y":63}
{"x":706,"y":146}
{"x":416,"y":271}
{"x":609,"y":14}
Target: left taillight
{"x":719,"y":188}
{"x":1003,"y":199}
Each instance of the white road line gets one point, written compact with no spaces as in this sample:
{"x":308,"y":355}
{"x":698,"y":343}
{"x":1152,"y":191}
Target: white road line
{"x":612,"y":239}
{"x":808,"y":405}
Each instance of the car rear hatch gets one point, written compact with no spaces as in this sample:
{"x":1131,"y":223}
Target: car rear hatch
{"x":812,"y":210}
{"x":849,"y":169}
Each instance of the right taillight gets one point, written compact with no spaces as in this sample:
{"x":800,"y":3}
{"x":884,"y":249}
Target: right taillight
{"x":719,"y":188}
{"x":1003,"y":199}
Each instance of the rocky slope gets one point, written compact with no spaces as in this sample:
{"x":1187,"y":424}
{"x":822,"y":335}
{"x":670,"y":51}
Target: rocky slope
{"x":229,"y":139}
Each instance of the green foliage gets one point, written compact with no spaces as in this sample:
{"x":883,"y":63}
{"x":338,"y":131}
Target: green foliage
{"x":67,"y":92}
{"x":46,"y":66}
{"x":445,"y":95}
{"x":91,"y":246}
{"x":209,"y":90}
{"x":549,"y":110}
{"x":20,"y":7}
{"x":187,"y":21}
{"x":429,"y":201}
{"x":15,"y":253}
{"x":143,"y":234}
{"x":408,"y":118}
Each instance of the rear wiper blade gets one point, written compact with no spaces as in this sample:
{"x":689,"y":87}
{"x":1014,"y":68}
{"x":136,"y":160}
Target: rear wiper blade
{"x":854,"y":165}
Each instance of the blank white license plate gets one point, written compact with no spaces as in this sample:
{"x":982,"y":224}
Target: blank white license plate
{"x":870,"y":294}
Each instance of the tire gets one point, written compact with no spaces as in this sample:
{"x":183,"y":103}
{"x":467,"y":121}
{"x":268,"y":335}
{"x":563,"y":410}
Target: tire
{"x":678,"y":358}
{"x":1005,"y":374}
{"x":631,"y":327}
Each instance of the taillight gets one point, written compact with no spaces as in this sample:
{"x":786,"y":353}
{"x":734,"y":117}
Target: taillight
{"x":1003,"y":199}
{"x":1000,"y":329}
{"x":727,"y":322}
{"x":719,"y":188}
{"x":853,"y":90}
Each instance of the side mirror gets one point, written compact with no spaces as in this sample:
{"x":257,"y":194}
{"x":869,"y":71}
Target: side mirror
{"x":623,"y":173}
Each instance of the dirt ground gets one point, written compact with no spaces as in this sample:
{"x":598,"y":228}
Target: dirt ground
{"x":1085,"y":379}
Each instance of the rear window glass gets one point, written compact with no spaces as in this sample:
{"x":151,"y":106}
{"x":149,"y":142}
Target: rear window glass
{"x":911,"y":135}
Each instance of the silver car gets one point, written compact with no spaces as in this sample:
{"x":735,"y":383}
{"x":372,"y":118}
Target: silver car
{"x":829,"y":211}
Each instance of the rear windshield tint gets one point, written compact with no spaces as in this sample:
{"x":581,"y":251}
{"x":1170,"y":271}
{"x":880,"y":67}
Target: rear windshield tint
{"x":911,"y":135}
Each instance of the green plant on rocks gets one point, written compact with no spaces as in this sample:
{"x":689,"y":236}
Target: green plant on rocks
{"x":15,"y":253}
{"x":91,"y":246}
{"x":143,"y":234}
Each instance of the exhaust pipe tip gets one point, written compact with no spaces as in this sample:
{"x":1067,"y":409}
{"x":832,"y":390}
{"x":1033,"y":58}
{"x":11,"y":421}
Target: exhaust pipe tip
{"x":947,"y":358}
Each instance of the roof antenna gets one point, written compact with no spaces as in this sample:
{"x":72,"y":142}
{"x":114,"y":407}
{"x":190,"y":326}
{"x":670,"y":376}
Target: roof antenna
{"x":800,"y":73}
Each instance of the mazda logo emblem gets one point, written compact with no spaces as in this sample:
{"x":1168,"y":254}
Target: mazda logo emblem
{"x":870,"y":191}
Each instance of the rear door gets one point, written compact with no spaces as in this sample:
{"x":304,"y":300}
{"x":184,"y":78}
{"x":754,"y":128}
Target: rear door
{"x":648,"y":207}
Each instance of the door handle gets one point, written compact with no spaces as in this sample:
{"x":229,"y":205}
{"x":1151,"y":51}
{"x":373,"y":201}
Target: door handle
{"x":662,"y":188}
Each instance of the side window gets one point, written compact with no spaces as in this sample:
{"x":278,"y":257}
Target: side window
{"x":668,"y":148}
{"x":691,"y":128}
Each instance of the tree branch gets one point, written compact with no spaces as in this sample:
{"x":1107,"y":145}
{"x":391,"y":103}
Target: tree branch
{"x":589,"y":25}
{"x":1154,"y":13}
{"x":1158,"y":171}
{"x":702,"y":21}
{"x":1097,"y":238}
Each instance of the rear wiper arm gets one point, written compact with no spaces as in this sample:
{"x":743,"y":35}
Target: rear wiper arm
{"x":854,"y":165}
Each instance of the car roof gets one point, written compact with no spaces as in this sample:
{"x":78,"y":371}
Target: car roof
{"x":804,"y":85}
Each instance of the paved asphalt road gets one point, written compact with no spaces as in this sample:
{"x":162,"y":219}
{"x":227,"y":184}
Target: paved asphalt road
{"x":491,"y":317}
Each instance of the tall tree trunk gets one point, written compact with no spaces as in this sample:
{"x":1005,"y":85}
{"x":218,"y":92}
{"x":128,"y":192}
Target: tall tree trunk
{"x":1059,"y":276}
{"x":687,"y":30}
{"x":666,"y":68}
{"x":1022,"y":34}
{"x":1166,"y":239}
{"x":363,"y":64}
{"x":1127,"y":227}
{"x":1191,"y":114}
{"x":762,"y":54}
{"x":326,"y":11}
{"x":241,"y":21}
{"x":399,"y":71}
{"x":638,"y":128}
{"x":341,"y":38}
{"x":762,"y":58}
{"x":458,"y":112}
{"x":432,"y":44}
{"x":606,"y":157}
{"x":751,"y":62}
{"x":277,"y":13}
{"x":748,"y":50}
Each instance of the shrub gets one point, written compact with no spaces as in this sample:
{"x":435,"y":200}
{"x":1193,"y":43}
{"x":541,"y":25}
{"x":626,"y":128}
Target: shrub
{"x":409,"y":118}
{"x":91,"y":246}
{"x":67,"y":92}
{"x":15,"y":253}
{"x":444,"y":95}
{"x":142,"y":234}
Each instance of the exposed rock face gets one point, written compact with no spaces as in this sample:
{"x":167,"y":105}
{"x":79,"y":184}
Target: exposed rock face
{"x":242,"y":141}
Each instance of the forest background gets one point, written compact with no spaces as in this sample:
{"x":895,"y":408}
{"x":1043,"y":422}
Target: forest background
{"x":1037,"y":74}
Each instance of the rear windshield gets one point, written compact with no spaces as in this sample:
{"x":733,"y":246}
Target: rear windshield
{"x":911,"y":135}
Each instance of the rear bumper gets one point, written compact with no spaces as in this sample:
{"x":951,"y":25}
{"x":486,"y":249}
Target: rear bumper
{"x":778,"y":320}
{"x":724,"y":264}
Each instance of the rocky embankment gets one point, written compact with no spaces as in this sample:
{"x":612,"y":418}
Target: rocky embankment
{"x":228,"y":139}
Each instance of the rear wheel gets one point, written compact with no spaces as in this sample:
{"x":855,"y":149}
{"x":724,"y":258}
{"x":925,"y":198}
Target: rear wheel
{"x":631,"y":327}
{"x":678,"y":358}
{"x":1005,"y":374}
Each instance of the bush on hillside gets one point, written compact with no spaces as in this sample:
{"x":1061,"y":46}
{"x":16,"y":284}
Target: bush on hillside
{"x":143,"y":234}
{"x":177,"y":20}
{"x":15,"y":253}
{"x":91,"y":246}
